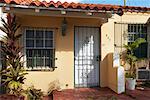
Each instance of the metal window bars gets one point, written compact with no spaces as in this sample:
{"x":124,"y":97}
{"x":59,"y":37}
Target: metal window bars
{"x":39,"y":48}
{"x":126,"y":33}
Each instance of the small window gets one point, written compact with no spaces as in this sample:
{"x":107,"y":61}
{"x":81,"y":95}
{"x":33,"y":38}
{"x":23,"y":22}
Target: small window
{"x":39,"y":48}
{"x":136,"y":31}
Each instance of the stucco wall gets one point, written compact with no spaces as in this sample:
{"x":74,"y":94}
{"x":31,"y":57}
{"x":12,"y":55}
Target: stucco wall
{"x":64,"y":50}
{"x":112,"y":74}
{"x":108,"y":74}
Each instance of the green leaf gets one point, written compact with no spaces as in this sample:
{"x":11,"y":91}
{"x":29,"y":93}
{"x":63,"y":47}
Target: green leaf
{"x":14,"y":72}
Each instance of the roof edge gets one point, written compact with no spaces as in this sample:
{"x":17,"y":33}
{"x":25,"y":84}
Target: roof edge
{"x":71,"y":6}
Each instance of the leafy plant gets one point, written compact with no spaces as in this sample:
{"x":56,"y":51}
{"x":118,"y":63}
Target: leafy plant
{"x":54,"y":85}
{"x":130,"y":58}
{"x":13,"y":72}
{"x":34,"y":94}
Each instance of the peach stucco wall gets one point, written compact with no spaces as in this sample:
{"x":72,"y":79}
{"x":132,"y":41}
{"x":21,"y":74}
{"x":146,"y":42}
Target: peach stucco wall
{"x":108,"y":73}
{"x":64,"y":50}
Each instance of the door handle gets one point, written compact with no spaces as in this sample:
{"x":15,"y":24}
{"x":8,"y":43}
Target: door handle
{"x":98,"y":58}
{"x":87,"y":76}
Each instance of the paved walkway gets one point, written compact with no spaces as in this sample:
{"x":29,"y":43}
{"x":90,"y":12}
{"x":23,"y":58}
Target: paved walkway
{"x":100,"y":94}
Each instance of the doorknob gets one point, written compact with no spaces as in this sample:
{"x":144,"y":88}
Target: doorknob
{"x":98,"y":58}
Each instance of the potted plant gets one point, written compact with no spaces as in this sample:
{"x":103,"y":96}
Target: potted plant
{"x":53,"y":86}
{"x":130,"y":59}
{"x":13,"y":72}
{"x":34,"y":94}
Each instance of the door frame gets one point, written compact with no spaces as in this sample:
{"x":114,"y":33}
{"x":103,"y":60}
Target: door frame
{"x":99,"y":39}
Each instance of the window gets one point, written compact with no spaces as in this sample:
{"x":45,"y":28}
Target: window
{"x":138,"y":31}
{"x":39,"y":48}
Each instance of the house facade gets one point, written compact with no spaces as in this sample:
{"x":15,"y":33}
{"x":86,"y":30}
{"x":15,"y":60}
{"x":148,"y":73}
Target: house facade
{"x":76,"y":44}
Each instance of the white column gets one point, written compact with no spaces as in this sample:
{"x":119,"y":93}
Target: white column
{"x":116,"y":59}
{"x":120,"y":73}
{"x":121,"y":79}
{"x":148,"y":39}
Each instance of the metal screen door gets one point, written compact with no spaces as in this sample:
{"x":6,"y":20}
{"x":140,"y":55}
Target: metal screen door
{"x":87,"y":56}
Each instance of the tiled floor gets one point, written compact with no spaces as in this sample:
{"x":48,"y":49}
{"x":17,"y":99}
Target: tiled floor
{"x":100,"y":94}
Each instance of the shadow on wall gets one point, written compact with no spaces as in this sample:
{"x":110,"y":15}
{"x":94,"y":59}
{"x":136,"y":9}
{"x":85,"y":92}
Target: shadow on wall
{"x":108,"y":73}
{"x":63,"y":43}
{"x":113,"y":73}
{"x":104,"y":71}
{"x":67,"y":43}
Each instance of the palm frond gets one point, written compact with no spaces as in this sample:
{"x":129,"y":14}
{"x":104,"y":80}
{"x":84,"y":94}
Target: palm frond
{"x":14,"y":71}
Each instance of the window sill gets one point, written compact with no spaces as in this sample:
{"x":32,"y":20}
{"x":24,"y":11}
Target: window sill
{"x":45,"y":70}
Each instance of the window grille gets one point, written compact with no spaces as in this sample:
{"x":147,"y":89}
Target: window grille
{"x":40,"y":50}
{"x":136,"y":31}
{"x":126,"y":33}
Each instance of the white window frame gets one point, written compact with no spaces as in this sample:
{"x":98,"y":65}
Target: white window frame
{"x":24,"y":50}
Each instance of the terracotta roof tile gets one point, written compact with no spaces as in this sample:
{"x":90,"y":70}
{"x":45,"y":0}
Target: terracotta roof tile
{"x":73,"y":5}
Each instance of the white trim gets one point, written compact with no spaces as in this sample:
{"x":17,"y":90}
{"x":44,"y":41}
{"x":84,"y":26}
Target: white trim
{"x":148,"y":39}
{"x":24,"y":50}
{"x":50,"y":8}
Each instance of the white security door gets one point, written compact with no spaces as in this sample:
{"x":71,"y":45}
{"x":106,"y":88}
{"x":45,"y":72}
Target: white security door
{"x":87,"y":56}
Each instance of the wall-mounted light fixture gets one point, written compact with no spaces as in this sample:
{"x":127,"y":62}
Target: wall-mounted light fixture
{"x":64,"y":27}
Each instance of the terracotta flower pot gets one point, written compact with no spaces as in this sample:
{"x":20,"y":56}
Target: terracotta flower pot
{"x":11,"y":97}
{"x":50,"y":97}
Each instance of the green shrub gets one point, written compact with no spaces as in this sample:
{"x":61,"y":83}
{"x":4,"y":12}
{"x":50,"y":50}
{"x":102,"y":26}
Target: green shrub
{"x":129,"y":57}
{"x":13,"y":72}
{"x":34,"y":94}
